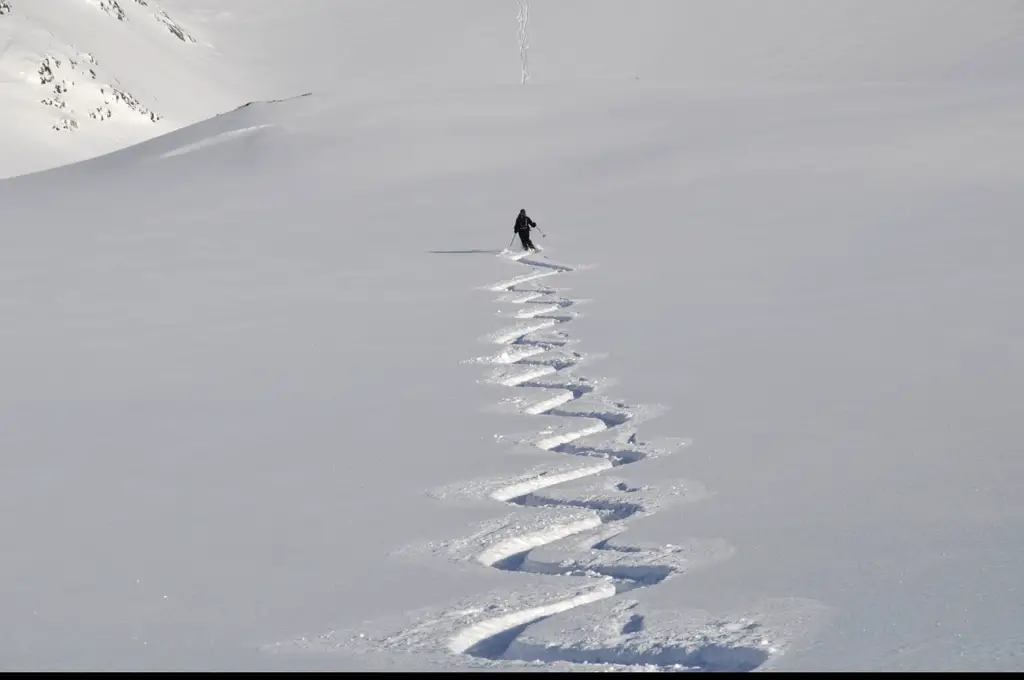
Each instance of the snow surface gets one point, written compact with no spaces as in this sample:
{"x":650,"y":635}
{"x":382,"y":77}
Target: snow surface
{"x":84,"y":77}
{"x":277,"y":395}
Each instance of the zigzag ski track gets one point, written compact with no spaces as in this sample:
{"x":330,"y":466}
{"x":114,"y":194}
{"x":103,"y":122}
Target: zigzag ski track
{"x":563,"y":537}
{"x":575,"y":530}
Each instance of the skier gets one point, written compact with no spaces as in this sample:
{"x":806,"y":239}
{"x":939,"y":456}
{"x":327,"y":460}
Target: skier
{"x":523,"y":225}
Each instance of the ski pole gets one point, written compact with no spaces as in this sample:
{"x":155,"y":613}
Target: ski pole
{"x":538,"y":229}
{"x":510,"y":242}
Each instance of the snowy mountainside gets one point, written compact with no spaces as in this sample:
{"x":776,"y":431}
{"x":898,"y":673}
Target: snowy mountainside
{"x":776,"y":41}
{"x":180,"y":61}
{"x":295,"y":397}
{"x":85,"y":77}
{"x":280,"y":393}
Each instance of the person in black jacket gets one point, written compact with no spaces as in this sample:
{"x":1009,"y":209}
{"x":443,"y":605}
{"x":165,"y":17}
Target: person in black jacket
{"x":523,"y":225}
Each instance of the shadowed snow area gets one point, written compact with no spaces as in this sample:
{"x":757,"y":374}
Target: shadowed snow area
{"x":278,"y":394}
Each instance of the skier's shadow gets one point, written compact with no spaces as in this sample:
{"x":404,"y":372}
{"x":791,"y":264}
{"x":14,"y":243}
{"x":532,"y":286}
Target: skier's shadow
{"x":464,"y":252}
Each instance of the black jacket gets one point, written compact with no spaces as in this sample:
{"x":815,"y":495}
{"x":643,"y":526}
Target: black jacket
{"x":523,"y":223}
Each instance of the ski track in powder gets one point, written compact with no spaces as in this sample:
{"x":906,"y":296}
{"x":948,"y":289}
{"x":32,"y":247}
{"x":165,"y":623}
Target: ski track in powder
{"x":563,"y":536}
{"x":535,"y":356}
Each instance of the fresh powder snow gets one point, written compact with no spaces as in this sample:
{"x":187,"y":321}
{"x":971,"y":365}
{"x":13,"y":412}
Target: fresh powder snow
{"x":279,"y":393}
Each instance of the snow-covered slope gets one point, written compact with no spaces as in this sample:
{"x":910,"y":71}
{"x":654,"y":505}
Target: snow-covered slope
{"x":277,"y":396}
{"x":753,"y":41}
{"x":253,"y":405}
{"x":365,"y":44}
{"x":85,"y":77}
{"x":160,"y":64}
